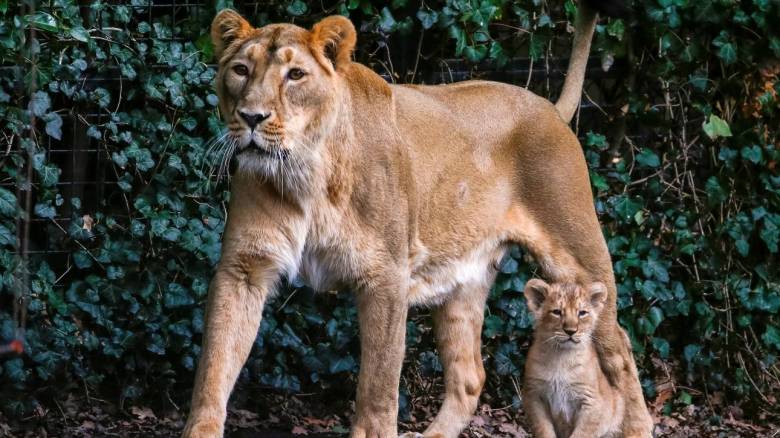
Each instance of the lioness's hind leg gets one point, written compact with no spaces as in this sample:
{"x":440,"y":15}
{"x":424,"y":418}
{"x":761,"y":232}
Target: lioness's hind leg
{"x":555,"y":219}
{"x":458,"y":327}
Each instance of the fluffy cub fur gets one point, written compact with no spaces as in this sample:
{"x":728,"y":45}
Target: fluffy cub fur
{"x":566,"y":394}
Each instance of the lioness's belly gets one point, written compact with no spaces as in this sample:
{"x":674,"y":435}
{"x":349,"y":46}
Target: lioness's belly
{"x":432,"y":280}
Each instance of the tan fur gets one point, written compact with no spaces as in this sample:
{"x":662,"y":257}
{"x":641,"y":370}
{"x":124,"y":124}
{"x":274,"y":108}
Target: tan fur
{"x":406,"y":195}
{"x":565,"y":392}
{"x":584,"y":26}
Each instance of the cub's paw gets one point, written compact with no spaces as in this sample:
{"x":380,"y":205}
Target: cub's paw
{"x":411,"y":435}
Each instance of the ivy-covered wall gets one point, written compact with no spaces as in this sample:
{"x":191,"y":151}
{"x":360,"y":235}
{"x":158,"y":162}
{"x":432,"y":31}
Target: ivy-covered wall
{"x":108,"y":184}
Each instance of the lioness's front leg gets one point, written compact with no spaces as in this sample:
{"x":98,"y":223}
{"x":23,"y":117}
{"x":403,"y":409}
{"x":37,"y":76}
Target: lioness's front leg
{"x":233,"y":313}
{"x":382,"y":310}
{"x":259,"y":245}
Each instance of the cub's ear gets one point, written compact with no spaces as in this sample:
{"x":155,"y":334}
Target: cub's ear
{"x":598,"y":294}
{"x":535,"y":293}
{"x":334,"y":38}
{"x":228,"y":26}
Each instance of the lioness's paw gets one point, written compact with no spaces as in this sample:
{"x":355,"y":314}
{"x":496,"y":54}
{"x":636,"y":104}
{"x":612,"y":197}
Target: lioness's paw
{"x":206,"y":429}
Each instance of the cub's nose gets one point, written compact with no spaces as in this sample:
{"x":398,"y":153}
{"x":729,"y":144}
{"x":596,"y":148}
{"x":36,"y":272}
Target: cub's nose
{"x":253,"y":119}
{"x":569,"y":331}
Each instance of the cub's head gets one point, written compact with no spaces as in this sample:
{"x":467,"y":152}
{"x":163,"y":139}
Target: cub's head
{"x":565,"y":313}
{"x":279,"y":88}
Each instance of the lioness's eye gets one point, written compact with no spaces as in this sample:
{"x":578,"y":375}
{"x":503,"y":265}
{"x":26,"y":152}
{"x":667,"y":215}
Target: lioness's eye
{"x":583,"y":312}
{"x":240,"y":70}
{"x":295,"y":74}
{"x":556,"y":312}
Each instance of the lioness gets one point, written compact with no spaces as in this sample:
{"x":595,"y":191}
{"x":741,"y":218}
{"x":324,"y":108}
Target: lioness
{"x":405,"y":194}
{"x":565,"y":392}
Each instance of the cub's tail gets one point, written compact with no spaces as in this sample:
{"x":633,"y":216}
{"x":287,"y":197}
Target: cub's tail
{"x":584,"y":26}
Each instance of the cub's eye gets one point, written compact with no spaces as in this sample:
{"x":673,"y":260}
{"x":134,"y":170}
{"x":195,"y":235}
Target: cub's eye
{"x":556,"y":312}
{"x":583,"y":312}
{"x":240,"y":70}
{"x":295,"y":74}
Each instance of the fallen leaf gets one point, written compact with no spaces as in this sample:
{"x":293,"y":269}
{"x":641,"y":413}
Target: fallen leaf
{"x":143,"y":413}
{"x":298,"y":430}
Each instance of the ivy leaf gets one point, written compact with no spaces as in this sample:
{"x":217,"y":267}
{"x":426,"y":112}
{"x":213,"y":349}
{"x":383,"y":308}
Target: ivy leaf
{"x":508,"y":265}
{"x":342,"y":364}
{"x":625,"y":208}
{"x":297,"y":8}
{"x":494,"y":325}
{"x":386,"y":20}
{"x":691,"y":351}
{"x":772,"y":336}
{"x":206,"y":46}
{"x":716,"y":127}
{"x":43,"y":21}
{"x":50,"y":175}
{"x":177,"y":296}
{"x":53,"y":125}
{"x":743,"y":247}
{"x":728,"y":53}
{"x":752,"y":153}
{"x":6,"y":237}
{"x":597,"y":140}
{"x":45,"y":210}
{"x":101,"y":96}
{"x":8,"y":203}
{"x":770,"y":233}
{"x":80,"y":34}
{"x":715,"y":191}
{"x":39,"y":103}
{"x":114,"y":272}
{"x":616,"y":28}
{"x":475,"y":53}
{"x":427,"y":18}
{"x":82,"y":259}
{"x":662,"y":347}
{"x":648,"y":158}
{"x":655,"y":316}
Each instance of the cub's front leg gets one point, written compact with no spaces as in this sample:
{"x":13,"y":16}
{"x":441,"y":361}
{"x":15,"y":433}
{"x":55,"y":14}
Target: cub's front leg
{"x":589,"y":420}
{"x":538,"y":415}
{"x":382,"y":310}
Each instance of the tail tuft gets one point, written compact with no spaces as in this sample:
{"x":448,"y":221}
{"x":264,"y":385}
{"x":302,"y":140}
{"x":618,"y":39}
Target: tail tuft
{"x":610,"y":8}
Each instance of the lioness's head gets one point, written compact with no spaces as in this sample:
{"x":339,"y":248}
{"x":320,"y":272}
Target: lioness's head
{"x":279,"y":88}
{"x":565,"y":313}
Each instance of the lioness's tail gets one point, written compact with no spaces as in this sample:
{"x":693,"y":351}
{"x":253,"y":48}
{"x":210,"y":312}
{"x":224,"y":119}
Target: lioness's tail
{"x":584,"y":26}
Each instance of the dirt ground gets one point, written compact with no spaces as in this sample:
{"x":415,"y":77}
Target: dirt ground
{"x":289,"y":416}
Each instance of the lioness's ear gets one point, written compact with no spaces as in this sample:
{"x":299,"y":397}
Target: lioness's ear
{"x":535,"y":293}
{"x":334,"y":38}
{"x":598,"y":294}
{"x":228,"y":26}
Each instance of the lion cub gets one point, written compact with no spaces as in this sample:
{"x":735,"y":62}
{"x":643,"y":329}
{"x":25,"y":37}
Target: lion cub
{"x":565,"y":393}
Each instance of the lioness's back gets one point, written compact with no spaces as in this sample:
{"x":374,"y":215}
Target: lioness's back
{"x":480,"y":109}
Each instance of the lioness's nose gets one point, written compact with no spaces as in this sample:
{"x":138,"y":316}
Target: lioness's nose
{"x":253,"y":119}
{"x":570,"y":331}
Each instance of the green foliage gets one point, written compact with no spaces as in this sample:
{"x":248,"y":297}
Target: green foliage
{"x":690,"y":200}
